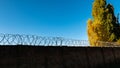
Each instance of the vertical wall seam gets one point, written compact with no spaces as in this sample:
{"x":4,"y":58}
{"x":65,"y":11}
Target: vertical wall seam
{"x":102,"y":51}
{"x":87,"y":57}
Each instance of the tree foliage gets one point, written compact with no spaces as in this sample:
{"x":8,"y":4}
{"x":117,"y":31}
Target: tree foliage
{"x":103,"y":26}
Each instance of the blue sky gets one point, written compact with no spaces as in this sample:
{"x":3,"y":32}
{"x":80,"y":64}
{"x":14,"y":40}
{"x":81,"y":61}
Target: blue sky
{"x":64,"y":18}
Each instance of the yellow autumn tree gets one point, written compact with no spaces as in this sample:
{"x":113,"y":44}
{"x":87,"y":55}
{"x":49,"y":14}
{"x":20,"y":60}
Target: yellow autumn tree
{"x":103,"y":26}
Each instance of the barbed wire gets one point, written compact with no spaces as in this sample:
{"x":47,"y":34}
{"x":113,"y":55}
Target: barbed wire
{"x":33,"y":40}
{"x":106,"y":44}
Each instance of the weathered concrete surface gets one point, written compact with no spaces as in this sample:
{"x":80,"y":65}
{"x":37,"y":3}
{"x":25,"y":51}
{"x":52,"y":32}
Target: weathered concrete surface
{"x":59,"y":57}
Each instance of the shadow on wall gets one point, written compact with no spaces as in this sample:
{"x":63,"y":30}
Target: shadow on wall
{"x":110,"y":65}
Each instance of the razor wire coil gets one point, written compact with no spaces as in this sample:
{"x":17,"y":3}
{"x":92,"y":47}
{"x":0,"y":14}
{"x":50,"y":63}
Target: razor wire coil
{"x":33,"y":40}
{"x":16,"y":39}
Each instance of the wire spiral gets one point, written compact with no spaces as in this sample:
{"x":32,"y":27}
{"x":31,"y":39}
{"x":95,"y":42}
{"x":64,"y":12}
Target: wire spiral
{"x":16,"y":39}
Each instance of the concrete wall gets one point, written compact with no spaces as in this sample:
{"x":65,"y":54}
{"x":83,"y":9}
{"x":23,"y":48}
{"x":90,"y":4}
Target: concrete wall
{"x":59,"y":57}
